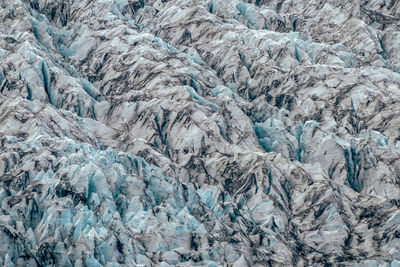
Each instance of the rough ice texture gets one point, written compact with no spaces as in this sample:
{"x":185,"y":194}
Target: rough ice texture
{"x":199,"y":133}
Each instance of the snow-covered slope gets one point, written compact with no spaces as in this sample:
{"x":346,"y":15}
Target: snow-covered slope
{"x":199,"y":133}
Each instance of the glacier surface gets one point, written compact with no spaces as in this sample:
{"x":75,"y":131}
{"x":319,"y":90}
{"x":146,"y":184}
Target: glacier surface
{"x":199,"y":133}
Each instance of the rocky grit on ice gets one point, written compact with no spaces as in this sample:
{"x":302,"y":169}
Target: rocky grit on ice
{"x":199,"y":133}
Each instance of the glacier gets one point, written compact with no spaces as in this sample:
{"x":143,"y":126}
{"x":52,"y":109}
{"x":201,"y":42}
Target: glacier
{"x":199,"y":133}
